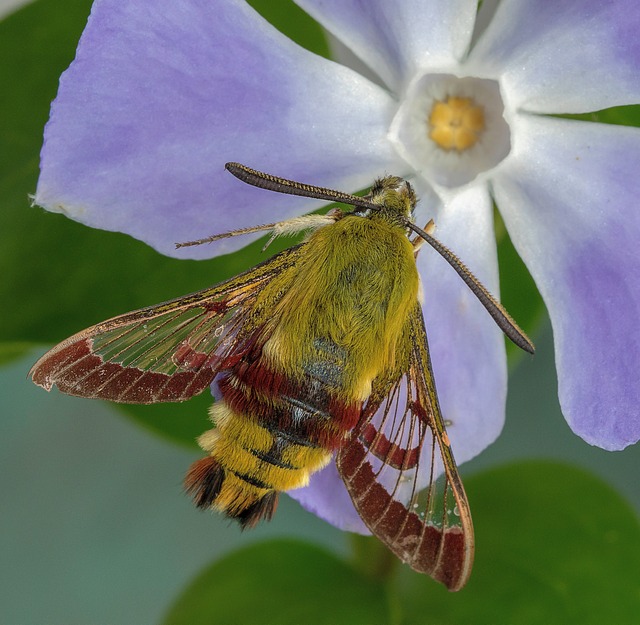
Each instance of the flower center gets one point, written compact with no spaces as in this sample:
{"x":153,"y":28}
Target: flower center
{"x":451,"y":129}
{"x":456,"y":123}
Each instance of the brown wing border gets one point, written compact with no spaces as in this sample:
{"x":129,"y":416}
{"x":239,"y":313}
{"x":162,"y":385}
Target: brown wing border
{"x":431,"y":528}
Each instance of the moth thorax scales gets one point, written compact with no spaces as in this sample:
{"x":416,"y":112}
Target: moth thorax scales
{"x":293,"y":399}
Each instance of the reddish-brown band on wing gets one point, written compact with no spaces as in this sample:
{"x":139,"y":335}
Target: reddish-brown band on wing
{"x":426,"y":548}
{"x":164,"y":353}
{"x":397,"y":456}
{"x":403,"y":480}
{"x":76,"y":370}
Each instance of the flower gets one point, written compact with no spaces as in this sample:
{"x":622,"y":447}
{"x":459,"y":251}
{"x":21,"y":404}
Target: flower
{"x":162,"y":94}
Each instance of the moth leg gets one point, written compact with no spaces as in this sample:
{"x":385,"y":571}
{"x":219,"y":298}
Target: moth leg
{"x":300,"y":224}
{"x":290,"y":226}
{"x":418,"y":241}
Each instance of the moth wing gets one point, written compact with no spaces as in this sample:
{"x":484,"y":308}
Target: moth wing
{"x":400,"y":472}
{"x":163,"y":353}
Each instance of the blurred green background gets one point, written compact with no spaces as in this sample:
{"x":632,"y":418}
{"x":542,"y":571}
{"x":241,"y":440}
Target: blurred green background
{"x":94,"y":527}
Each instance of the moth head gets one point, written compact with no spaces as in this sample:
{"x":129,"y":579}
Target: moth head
{"x":394,"y":195}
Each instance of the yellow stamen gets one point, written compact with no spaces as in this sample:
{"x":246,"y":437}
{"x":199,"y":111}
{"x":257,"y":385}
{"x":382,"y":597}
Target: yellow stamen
{"x":456,"y":124}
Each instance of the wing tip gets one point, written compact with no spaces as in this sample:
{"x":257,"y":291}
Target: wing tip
{"x":47,"y":369}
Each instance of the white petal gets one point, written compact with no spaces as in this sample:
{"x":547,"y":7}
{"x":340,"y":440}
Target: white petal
{"x":397,"y":38}
{"x":567,"y":56}
{"x":410,"y":130}
{"x":467,"y":348}
{"x":569,"y":196}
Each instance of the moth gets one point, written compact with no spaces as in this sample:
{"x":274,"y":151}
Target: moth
{"x":318,"y":354}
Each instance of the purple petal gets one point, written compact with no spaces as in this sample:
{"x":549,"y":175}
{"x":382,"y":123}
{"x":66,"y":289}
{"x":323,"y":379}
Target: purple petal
{"x":396,"y":38}
{"x":467,"y":348}
{"x":327,"y":497}
{"x":568,"y":56}
{"x":163,"y":93}
{"x":569,"y":198}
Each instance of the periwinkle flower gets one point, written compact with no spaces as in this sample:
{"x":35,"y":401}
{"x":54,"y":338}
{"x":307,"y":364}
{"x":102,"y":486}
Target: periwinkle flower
{"x":163,"y":93}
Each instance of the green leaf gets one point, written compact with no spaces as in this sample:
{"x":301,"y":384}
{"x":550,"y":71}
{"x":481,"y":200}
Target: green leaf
{"x":621,"y":115}
{"x":292,"y":21}
{"x":281,"y":582}
{"x":553,"y":545}
{"x":10,"y":352}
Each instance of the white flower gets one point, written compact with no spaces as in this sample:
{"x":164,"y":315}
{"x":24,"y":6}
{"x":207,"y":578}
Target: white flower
{"x":163,"y":93}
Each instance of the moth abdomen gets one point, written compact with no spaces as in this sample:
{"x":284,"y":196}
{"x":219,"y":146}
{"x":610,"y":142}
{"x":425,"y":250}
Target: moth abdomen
{"x":248,"y":465}
{"x":263,"y":509}
{"x":207,"y":478}
{"x":271,"y":435}
{"x":204,"y":480}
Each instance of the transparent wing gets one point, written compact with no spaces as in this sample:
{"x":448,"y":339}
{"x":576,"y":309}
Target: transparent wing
{"x":400,"y":472}
{"x":168,"y":352}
